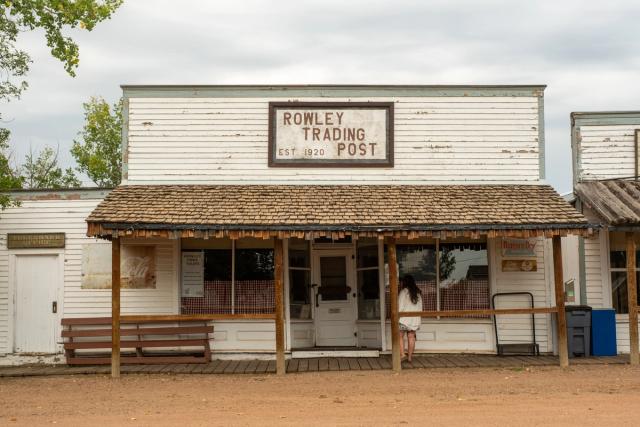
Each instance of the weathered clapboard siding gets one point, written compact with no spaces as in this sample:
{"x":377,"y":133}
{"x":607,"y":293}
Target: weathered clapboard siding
{"x":517,"y":328}
{"x":40,"y":216}
{"x":604,"y":145}
{"x":68,"y":216}
{"x":437,"y":139}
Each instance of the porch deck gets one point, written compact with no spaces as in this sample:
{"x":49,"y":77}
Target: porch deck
{"x":431,"y":361}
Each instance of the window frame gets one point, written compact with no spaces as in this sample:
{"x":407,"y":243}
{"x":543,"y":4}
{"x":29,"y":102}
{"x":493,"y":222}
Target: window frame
{"x":358,"y":284}
{"x":436,"y":245}
{"x":233,"y":270}
{"x":618,"y":270}
{"x":289,"y":269}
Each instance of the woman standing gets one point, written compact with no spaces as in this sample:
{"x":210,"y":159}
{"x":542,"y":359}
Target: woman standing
{"x":409,"y":299}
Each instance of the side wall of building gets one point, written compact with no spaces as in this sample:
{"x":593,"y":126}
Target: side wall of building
{"x":220,"y":136}
{"x":66,"y":212}
{"x":604,"y":145}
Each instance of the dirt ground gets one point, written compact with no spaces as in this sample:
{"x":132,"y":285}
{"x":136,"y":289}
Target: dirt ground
{"x":584,"y":395}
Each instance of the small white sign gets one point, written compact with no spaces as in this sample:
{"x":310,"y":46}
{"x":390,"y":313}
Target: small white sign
{"x":193,"y":274}
{"x":330,"y":134}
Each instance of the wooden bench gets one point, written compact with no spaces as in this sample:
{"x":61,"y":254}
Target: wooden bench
{"x":168,"y":338}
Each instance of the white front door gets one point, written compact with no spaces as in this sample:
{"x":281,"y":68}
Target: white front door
{"x":335,"y":298}
{"x":36,"y":284}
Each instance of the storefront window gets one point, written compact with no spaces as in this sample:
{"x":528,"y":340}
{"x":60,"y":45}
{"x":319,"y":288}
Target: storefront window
{"x":419,"y":261}
{"x":368,"y":279}
{"x":618,"y":271}
{"x":216,"y":289}
{"x":299,"y":279}
{"x":464,"y":276}
{"x":451,"y":276}
{"x":247,"y":288}
{"x":254,"y":287}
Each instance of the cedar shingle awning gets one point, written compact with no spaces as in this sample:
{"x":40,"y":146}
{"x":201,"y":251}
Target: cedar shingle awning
{"x":616,"y":202}
{"x":208,"y":211}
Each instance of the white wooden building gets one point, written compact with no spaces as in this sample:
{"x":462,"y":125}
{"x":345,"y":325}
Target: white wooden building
{"x":216,"y":179}
{"x":605,"y":165}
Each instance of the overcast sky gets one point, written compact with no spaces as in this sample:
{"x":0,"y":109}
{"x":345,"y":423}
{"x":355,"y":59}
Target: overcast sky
{"x":587,"y":52}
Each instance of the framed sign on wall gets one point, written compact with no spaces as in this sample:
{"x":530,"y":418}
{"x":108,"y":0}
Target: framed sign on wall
{"x":330,"y":134}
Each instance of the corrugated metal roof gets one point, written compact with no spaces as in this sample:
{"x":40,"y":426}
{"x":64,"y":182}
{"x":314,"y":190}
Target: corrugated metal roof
{"x":617,"y":201}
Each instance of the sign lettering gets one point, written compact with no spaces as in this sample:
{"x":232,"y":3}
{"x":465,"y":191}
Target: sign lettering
{"x":330,"y":134}
{"x":35,"y":240}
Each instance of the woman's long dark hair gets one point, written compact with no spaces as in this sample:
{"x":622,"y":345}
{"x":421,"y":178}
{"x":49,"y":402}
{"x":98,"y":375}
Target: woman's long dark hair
{"x":409,"y":283}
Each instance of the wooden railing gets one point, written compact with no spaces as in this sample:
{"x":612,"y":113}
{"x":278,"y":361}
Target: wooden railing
{"x":483,"y":312}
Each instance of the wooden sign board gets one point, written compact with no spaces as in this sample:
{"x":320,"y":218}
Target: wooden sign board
{"x":526,"y":265}
{"x":518,"y":247}
{"x":331,"y":134}
{"x":35,"y":240}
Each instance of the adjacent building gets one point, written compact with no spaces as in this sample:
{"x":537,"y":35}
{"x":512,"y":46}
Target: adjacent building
{"x":607,"y":188}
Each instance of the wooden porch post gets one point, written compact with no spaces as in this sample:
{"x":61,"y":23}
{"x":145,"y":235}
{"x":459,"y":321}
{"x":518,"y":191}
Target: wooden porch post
{"x":279,"y":290}
{"x":563,"y":351}
{"x":632,"y":296}
{"x":115,"y":307}
{"x":393,"y":298}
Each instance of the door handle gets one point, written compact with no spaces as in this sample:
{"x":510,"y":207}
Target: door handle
{"x":54,"y":307}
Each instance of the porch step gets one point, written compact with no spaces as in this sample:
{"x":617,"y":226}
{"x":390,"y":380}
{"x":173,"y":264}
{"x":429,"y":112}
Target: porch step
{"x":320,"y":352}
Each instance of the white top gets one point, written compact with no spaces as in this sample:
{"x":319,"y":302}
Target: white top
{"x":405,"y":304}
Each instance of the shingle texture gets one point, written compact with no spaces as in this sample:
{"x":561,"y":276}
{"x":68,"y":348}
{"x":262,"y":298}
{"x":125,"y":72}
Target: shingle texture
{"x":617,"y":202}
{"x":354,"y":205}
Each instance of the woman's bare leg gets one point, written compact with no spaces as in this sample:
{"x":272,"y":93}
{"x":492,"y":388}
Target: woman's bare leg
{"x":411,"y":341}
{"x":402,"y":334}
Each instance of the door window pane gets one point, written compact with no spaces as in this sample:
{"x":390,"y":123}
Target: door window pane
{"x":333,"y":279}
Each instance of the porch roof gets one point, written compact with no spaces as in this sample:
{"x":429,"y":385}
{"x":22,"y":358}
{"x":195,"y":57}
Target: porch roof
{"x":266,"y":211}
{"x":616,"y":202}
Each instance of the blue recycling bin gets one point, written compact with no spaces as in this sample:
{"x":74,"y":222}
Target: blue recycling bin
{"x":603,"y":332}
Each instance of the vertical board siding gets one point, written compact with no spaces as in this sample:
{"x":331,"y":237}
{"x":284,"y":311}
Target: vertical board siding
{"x":68,"y":216}
{"x":437,"y":139}
{"x":606,"y":152}
{"x":517,"y":328}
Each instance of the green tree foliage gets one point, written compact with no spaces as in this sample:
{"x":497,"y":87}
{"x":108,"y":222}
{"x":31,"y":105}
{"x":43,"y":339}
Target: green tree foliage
{"x":99,"y":153}
{"x":9,"y":177}
{"x":43,"y":171}
{"x":52,"y":16}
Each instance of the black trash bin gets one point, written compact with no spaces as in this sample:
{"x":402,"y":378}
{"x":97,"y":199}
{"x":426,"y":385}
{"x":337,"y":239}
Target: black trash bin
{"x":579,"y":330}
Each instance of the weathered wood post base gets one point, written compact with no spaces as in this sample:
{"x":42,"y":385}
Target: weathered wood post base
{"x":561,"y":315}
{"x":279,"y":290}
{"x":632,"y":294}
{"x":393,"y":298}
{"x":115,"y":307}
